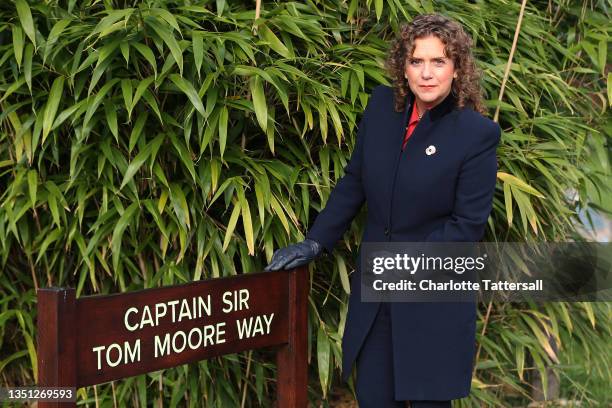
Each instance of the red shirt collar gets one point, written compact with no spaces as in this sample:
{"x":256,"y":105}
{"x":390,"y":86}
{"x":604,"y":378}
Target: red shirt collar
{"x":414,"y":117}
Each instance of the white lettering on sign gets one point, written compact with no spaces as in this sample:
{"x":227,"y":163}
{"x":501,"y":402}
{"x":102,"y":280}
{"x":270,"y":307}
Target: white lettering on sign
{"x":185,"y":309}
{"x":197,"y":337}
{"x":125,"y":319}
{"x":254,"y":326}
{"x":195,"y":308}
{"x":235,"y":300}
{"x":116,"y":355}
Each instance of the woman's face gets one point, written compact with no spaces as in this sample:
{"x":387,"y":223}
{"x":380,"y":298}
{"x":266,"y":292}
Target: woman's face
{"x":429,"y":72}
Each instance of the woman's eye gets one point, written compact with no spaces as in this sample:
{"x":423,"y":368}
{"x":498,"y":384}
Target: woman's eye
{"x":436,"y":62}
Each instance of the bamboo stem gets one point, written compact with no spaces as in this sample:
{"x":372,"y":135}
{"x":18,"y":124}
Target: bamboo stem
{"x":257,"y":8}
{"x":510,"y":57}
{"x":257,"y":14}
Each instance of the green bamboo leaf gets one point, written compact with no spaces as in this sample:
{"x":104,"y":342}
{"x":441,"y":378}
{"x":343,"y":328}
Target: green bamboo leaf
{"x":518,"y":183}
{"x":147,"y":54}
{"x":127,"y":218}
{"x":609,"y":86}
{"x":273,"y":40}
{"x":163,"y":198}
{"x":526,"y":210}
{"x":379,"y":5}
{"x":140,"y":90}
{"x":198,"y":49}
{"x":27,"y":65}
{"x":91,"y":58}
{"x":261,"y":202}
{"x":220,"y":7}
{"x":603,"y":55}
{"x":152,"y":102}
{"x":97,"y":100}
{"x":259,"y":101}
{"x":542,"y":338}
{"x":323,"y":358}
{"x":126,"y":91}
{"x":31,"y":351}
{"x":247,"y":222}
{"x":184,"y":155}
{"x":12,"y":88}
{"x":223,"y":119}
{"x":125,"y":51}
{"x":69,"y":112}
{"x":520,"y":360}
{"x":54,"y":34}
{"x":221,"y":189}
{"x":111,"y":22}
{"x":351,"y":10}
{"x":170,"y":40}
{"x":508,"y":203}
{"x":49,"y":239}
{"x":323,"y":119}
{"x":345,"y":77}
{"x":343,"y":272}
{"x":25,"y":18}
{"x":18,"y":43}
{"x":588,"y":308}
{"x":139,"y":160}
{"x":279,"y":212}
{"x":55,"y":95}
{"x":187,"y":88}
{"x":101,"y":67}
{"x":231,"y":225}
{"x":159,"y":173}
{"x":137,"y":130}
{"x":179,"y":204}
{"x":14,"y":356}
{"x":111,"y":118}
{"x":215,"y":172}
{"x":4,"y":163}
{"x":150,"y":206}
{"x":168,"y":17}
{"x":32,"y":186}
{"x":333,"y":112}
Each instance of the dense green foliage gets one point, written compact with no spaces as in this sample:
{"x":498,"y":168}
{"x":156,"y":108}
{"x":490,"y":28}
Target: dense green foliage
{"x":159,"y":142}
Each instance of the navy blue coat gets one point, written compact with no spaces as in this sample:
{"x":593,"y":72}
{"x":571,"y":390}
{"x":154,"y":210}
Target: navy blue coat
{"x":415,"y":197}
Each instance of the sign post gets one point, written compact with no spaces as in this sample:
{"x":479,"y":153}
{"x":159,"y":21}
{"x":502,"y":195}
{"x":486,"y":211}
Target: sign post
{"x":96,"y":339}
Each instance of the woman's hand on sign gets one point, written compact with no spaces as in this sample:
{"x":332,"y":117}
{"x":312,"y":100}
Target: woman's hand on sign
{"x":294,"y":255}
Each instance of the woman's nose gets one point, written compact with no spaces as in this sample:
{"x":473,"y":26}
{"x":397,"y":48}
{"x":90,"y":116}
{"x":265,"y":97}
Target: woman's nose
{"x":426,"y":72}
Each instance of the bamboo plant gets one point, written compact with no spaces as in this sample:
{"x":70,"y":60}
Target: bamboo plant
{"x":153,"y":143}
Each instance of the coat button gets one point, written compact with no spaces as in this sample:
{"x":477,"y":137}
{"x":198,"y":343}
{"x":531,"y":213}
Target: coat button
{"x":386,"y":232}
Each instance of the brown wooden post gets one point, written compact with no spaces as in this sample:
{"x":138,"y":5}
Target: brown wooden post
{"x":291,"y":359}
{"x":56,"y":342}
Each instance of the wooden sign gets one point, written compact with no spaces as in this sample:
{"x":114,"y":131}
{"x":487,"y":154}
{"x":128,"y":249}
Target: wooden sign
{"x":96,"y":339}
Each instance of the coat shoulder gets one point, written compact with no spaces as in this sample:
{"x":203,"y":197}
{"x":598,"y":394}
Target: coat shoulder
{"x":381,"y":101}
{"x":382,"y":94}
{"x":477,"y":126}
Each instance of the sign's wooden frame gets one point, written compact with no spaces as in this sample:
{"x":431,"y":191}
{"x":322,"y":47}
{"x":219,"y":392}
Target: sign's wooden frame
{"x":66,"y":326}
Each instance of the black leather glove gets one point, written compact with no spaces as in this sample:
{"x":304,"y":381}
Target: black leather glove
{"x":294,"y":255}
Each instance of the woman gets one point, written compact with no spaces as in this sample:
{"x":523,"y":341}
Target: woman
{"x":425,"y":163}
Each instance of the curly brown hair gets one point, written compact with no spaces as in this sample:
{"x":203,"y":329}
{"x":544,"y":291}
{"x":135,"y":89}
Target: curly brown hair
{"x":457,"y":46}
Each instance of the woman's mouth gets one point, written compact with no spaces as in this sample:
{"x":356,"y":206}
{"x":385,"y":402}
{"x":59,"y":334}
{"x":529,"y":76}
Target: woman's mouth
{"x":427,"y":87}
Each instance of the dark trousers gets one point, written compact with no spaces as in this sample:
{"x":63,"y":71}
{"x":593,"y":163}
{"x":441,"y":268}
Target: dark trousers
{"x":374,"y":387}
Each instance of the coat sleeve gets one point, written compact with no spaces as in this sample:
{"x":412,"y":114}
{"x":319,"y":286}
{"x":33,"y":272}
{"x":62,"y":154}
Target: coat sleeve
{"x":346,"y":198}
{"x":474,"y":192}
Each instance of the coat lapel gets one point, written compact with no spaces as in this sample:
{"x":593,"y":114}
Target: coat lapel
{"x":430,"y":116}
